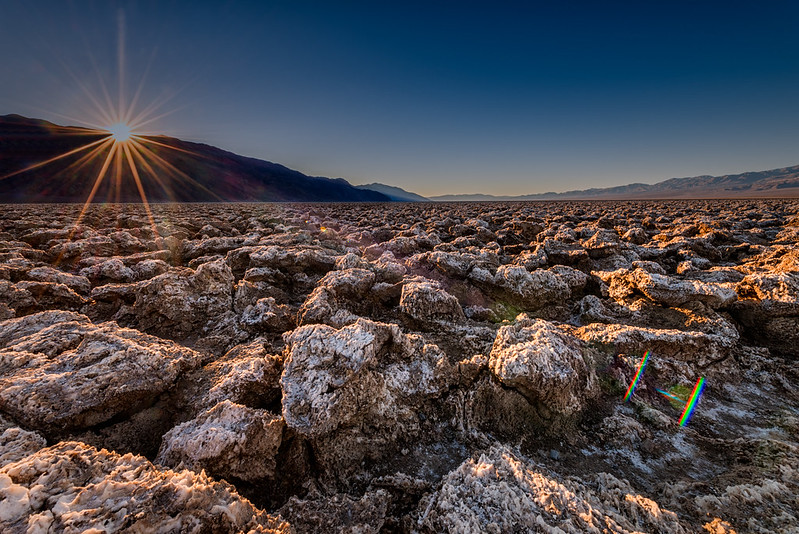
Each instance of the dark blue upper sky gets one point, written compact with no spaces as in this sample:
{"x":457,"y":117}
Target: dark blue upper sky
{"x":452,"y":97}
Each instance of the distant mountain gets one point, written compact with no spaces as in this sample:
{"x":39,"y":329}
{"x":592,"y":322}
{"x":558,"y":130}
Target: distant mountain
{"x":185,"y":172}
{"x":394,"y":193}
{"x":474,"y":197}
{"x":775,"y":183}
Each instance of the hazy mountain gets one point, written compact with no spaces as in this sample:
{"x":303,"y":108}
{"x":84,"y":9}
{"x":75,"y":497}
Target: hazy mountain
{"x":394,"y":193}
{"x":763,"y":184}
{"x":473,"y":197}
{"x":186,"y":172}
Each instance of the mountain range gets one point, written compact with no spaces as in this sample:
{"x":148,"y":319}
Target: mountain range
{"x":195,"y":172}
{"x":185,"y":172}
{"x":394,"y":193}
{"x":775,"y":183}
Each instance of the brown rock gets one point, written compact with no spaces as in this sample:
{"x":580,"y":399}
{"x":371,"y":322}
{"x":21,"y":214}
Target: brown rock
{"x":71,"y":373}
{"x":228,"y":441}
{"x":181,"y":302}
{"x":426,"y":301}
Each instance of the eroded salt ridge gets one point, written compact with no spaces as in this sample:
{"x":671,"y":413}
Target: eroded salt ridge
{"x":399,"y":368}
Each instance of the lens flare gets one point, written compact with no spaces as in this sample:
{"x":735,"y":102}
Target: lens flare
{"x":668,"y":395}
{"x":637,"y":377}
{"x":690,"y":406}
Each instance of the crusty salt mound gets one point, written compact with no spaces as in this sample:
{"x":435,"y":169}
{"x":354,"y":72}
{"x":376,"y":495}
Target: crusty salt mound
{"x":71,"y":487}
{"x":399,"y":368}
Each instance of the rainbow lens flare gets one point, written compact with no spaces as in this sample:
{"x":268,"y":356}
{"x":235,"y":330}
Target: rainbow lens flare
{"x":692,"y":401}
{"x":637,"y":376}
{"x":670,"y":396}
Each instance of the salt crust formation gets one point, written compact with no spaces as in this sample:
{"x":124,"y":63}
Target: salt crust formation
{"x":399,"y":368}
{"x":501,"y":491}
{"x":71,"y":487}
{"x":229,"y":440}
{"x":543,"y":363}
{"x":60,"y":370}
{"x":358,"y":391}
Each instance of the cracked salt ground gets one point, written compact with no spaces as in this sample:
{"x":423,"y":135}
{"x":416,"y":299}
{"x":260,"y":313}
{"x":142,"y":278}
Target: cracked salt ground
{"x":399,"y":368}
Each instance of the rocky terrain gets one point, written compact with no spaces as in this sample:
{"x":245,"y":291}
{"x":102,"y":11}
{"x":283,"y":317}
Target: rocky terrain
{"x":399,"y":367}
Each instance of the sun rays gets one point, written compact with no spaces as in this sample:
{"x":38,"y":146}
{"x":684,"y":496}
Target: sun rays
{"x":118,"y":146}
{"x":123,"y":148}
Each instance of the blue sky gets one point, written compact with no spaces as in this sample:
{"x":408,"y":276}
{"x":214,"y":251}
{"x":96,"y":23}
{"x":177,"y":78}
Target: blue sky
{"x":451,"y":97}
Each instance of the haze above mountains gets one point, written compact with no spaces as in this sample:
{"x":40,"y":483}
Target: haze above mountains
{"x":217,"y":175}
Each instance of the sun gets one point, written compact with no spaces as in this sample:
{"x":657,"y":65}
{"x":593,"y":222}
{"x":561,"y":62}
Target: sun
{"x":120,"y":132}
{"x":122,"y":142}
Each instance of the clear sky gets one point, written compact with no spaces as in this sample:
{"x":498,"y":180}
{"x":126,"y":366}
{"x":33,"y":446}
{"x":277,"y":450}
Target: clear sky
{"x":447,"y":97}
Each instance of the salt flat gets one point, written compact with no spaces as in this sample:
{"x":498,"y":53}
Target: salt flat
{"x":397,"y":367}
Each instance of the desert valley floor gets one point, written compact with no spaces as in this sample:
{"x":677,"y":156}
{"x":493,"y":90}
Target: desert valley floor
{"x":399,"y":367}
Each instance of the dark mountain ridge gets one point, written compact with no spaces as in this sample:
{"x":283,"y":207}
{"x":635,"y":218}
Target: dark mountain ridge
{"x":184,"y":171}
